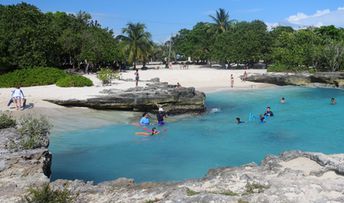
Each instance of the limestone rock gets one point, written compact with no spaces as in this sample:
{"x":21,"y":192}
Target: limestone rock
{"x":301,"y":79}
{"x":174,"y":100}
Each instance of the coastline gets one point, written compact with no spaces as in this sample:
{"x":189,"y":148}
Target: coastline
{"x":207,"y":80}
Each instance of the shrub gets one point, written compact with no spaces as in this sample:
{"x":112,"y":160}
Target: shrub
{"x":45,"y":194}
{"x":190,"y":192}
{"x":286,"y":68}
{"x":106,"y":75}
{"x":34,"y":132}
{"x":31,"y":77}
{"x":74,"y":81}
{"x":6,"y":121}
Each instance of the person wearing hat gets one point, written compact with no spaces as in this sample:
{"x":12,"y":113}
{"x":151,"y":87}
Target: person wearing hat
{"x":160,"y":116}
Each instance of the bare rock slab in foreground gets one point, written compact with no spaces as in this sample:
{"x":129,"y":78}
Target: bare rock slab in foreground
{"x":174,"y":100}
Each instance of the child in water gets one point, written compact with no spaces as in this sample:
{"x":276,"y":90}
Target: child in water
{"x":262,"y":118}
{"x":333,"y":101}
{"x":238,"y":121}
{"x":152,"y":132}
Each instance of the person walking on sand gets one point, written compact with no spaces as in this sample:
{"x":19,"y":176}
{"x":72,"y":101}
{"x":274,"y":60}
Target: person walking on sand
{"x":232,"y":81}
{"x":137,"y":77}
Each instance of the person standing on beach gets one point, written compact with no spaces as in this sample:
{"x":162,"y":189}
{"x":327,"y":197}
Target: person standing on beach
{"x":232,"y":81}
{"x":137,"y":77}
{"x":245,"y":76}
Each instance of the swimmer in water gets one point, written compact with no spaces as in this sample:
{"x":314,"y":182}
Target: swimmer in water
{"x":333,"y":101}
{"x":282,"y":100}
{"x":152,"y":132}
{"x":262,"y":118}
{"x":268,"y":112}
{"x":145,"y":119}
{"x":238,"y":121}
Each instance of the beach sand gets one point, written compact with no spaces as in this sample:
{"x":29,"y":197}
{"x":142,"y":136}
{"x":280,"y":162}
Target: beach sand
{"x":203,"y":79}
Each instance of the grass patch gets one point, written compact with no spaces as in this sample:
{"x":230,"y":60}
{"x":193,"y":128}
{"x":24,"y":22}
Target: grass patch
{"x":45,"y":194}
{"x":31,"y":77}
{"x":74,"y":81}
{"x":33,"y":131}
{"x":6,"y":121}
{"x":254,"y":188}
{"x":190,"y":192}
{"x":152,"y":201}
{"x":228,"y":193}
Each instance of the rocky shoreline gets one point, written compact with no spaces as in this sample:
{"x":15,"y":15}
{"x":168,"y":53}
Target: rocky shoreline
{"x":293,"y":176}
{"x":322,"y":79}
{"x":173,"y":99}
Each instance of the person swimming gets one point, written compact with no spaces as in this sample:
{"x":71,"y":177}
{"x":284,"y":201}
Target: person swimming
{"x":268,"y":112}
{"x":145,"y":119}
{"x":262,"y":118}
{"x":333,"y":101}
{"x":238,"y":121}
{"x":152,"y":132}
{"x":282,"y":101}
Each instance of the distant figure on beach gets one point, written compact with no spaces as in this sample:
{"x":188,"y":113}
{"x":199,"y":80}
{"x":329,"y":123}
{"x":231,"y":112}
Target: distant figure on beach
{"x":244,"y":78}
{"x":282,"y":101}
{"x":17,"y":98}
{"x":145,"y":119}
{"x":160,"y":116}
{"x":152,"y":132}
{"x":137,"y":77}
{"x":238,"y":121}
{"x":268,"y":112}
{"x":170,"y":65}
{"x":333,"y":101}
{"x":178,"y":85}
{"x":232,"y":81}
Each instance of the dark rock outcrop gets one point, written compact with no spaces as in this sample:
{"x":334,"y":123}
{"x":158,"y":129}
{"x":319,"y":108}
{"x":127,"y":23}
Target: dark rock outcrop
{"x":318,"y":79}
{"x":174,"y":100}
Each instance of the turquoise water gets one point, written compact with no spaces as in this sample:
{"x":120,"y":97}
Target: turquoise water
{"x":189,"y":147}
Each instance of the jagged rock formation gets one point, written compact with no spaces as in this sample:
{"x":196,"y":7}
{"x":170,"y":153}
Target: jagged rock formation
{"x":318,"y":79}
{"x":19,"y":168}
{"x":174,"y":100}
{"x":293,"y":176}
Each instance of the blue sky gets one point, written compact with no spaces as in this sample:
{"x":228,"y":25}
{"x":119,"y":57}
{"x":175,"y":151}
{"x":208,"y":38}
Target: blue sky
{"x":166,"y":17}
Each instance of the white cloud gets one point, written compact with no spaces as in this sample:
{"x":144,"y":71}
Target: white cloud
{"x":319,"y":18}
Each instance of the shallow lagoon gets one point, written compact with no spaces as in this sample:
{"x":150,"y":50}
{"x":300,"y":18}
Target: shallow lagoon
{"x":189,"y":147}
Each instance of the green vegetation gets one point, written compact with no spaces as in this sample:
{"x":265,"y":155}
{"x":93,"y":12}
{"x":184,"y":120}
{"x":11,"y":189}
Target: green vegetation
{"x":74,"y":81}
{"x":229,"y":193}
{"x":242,"y":201}
{"x":33,"y":131}
{"x":138,"y":43}
{"x":31,"y":77}
{"x":77,"y":41}
{"x":45,"y":194}
{"x":190,"y":192}
{"x":254,"y":188}
{"x":106,"y":75}
{"x":6,"y":121}
{"x":152,"y":201}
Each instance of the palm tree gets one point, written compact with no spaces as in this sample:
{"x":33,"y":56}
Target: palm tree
{"x":138,"y":42}
{"x":221,"y":20}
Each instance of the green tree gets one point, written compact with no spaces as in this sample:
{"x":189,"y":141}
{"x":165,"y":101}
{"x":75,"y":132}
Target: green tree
{"x":221,"y":20}
{"x":138,"y":42}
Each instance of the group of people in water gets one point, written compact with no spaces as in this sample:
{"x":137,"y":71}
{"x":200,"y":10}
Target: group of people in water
{"x":269,"y":113}
{"x":145,"y":119}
